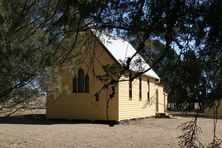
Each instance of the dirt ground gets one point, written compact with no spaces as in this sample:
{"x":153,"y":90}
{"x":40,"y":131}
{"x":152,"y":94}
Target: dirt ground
{"x":37,"y":132}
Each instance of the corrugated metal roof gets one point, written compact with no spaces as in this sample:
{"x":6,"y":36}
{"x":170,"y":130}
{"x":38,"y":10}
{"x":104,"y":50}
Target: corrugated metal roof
{"x":121,"y":50}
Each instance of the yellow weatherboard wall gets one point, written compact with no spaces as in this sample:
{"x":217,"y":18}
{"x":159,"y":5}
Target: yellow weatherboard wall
{"x":84,"y":105}
{"x":137,"y":108}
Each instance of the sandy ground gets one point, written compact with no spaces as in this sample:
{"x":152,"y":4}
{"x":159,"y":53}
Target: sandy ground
{"x":27,"y":131}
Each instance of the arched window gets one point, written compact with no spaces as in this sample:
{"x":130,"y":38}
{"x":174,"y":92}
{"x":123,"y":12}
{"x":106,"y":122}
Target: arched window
{"x":87,"y":83}
{"x":75,"y":84}
{"x":81,"y":81}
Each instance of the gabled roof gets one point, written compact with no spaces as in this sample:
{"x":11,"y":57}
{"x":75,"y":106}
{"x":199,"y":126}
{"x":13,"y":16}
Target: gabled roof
{"x":121,"y":50}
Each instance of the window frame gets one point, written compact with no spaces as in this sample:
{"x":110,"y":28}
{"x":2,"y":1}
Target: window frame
{"x":75,"y":84}
{"x":148,"y":89}
{"x":140,"y":88}
{"x":81,"y":79}
{"x":130,"y":87}
{"x":86,"y":83}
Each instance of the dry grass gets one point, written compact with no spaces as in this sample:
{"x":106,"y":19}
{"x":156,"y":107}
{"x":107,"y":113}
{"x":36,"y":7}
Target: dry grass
{"x":27,"y":131}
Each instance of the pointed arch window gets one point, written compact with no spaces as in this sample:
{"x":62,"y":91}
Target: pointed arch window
{"x":75,"y":84}
{"x":87,"y":83}
{"x":81,"y":82}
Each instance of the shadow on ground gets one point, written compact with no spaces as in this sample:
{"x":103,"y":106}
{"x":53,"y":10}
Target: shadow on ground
{"x":40,"y":119}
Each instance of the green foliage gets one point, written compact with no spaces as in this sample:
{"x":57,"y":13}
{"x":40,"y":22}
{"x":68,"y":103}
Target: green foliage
{"x":36,"y":37}
{"x":192,"y":27}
